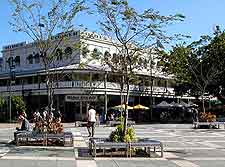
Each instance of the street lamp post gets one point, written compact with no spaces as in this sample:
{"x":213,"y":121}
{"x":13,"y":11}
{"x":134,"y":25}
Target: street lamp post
{"x":12,"y":78}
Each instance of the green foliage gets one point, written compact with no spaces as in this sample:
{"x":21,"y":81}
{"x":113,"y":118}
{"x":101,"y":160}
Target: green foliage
{"x":130,"y":135}
{"x":120,"y":118}
{"x":117,"y":135}
{"x":198,"y":67}
{"x":2,"y":102}
{"x":18,"y":104}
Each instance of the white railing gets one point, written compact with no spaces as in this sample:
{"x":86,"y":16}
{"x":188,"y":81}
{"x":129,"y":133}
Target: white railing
{"x":90,"y":85}
{"x":31,"y":87}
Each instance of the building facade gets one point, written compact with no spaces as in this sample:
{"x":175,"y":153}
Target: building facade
{"x":77,"y":86}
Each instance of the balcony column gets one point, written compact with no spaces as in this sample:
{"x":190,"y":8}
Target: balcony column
{"x":81,"y":116}
{"x":106,"y":97}
{"x":39,"y":87}
{"x":91,"y":91}
{"x":153,"y":101}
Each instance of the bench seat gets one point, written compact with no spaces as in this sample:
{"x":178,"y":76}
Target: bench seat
{"x":210,"y":124}
{"x":114,"y":123}
{"x":27,"y":136}
{"x":103,"y":143}
{"x":147,"y":145}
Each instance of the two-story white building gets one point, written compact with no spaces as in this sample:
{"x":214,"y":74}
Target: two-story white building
{"x":77,"y":85}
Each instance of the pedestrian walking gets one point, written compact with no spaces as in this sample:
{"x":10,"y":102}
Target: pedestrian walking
{"x":195,"y":114}
{"x":91,"y":121}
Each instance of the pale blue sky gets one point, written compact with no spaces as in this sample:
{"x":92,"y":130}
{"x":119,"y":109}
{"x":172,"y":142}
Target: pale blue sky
{"x":201,"y":16}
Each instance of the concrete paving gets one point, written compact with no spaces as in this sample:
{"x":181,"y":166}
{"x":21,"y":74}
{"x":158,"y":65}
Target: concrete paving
{"x":184,"y":147}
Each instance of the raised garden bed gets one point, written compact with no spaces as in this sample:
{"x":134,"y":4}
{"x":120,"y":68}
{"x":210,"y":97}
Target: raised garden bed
{"x":104,"y":146}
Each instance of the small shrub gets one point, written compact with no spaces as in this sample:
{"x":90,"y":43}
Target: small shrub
{"x":131,"y":134}
{"x":120,"y":118}
{"x":117,"y":135}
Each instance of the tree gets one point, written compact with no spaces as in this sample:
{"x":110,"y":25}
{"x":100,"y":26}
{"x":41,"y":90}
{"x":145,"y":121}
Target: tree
{"x":48,"y":25}
{"x":131,"y":33}
{"x":196,"y":65}
{"x":18,"y":105}
{"x":217,"y":50}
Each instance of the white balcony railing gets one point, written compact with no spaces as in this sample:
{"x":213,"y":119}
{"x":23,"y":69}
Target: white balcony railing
{"x":89,"y":85}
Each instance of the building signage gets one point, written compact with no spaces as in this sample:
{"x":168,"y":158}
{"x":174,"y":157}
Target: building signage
{"x":75,"y":98}
{"x":14,"y":45}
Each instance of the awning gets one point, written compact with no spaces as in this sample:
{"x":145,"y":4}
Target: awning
{"x":140,"y":107}
{"x":163,"y":104}
{"x":174,"y":104}
{"x":119,"y":107}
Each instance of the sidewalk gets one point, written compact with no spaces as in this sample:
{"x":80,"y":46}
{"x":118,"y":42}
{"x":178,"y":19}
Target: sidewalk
{"x":8,"y":125}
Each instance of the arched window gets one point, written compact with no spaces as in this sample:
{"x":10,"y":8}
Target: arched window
{"x":17,"y":60}
{"x":59,"y":54}
{"x":10,"y":62}
{"x":96,"y":53}
{"x":107,"y":55}
{"x":68,"y":51}
{"x":37,"y":58}
{"x":30,"y":59}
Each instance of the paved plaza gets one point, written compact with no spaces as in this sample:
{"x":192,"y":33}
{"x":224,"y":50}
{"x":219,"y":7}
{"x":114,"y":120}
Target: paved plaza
{"x":184,"y":147}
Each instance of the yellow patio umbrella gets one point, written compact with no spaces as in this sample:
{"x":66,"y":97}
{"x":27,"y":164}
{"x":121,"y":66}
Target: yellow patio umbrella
{"x":140,"y":107}
{"x":123,"y":107}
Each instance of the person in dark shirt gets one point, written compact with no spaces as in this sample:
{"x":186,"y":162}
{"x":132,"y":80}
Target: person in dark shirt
{"x":25,"y":125}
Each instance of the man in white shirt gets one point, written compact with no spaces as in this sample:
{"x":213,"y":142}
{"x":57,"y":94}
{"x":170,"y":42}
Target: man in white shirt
{"x":91,"y":121}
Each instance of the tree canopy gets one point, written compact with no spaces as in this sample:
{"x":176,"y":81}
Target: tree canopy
{"x":199,"y":66}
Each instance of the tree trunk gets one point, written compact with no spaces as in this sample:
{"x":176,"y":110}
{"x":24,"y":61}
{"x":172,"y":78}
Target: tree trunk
{"x":50,"y":92}
{"x":151,"y":100}
{"x":121,"y":95}
{"x":203,"y":103}
{"x":126,"y":109}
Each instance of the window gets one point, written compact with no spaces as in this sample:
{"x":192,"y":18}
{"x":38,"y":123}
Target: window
{"x":59,"y":54}
{"x":97,"y":77}
{"x":85,"y":51}
{"x":68,"y":51}
{"x":10,"y":62}
{"x":37,"y":58}
{"x":30,"y":59}
{"x":107,"y":55}
{"x":43,"y":78}
{"x":17,"y":60}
